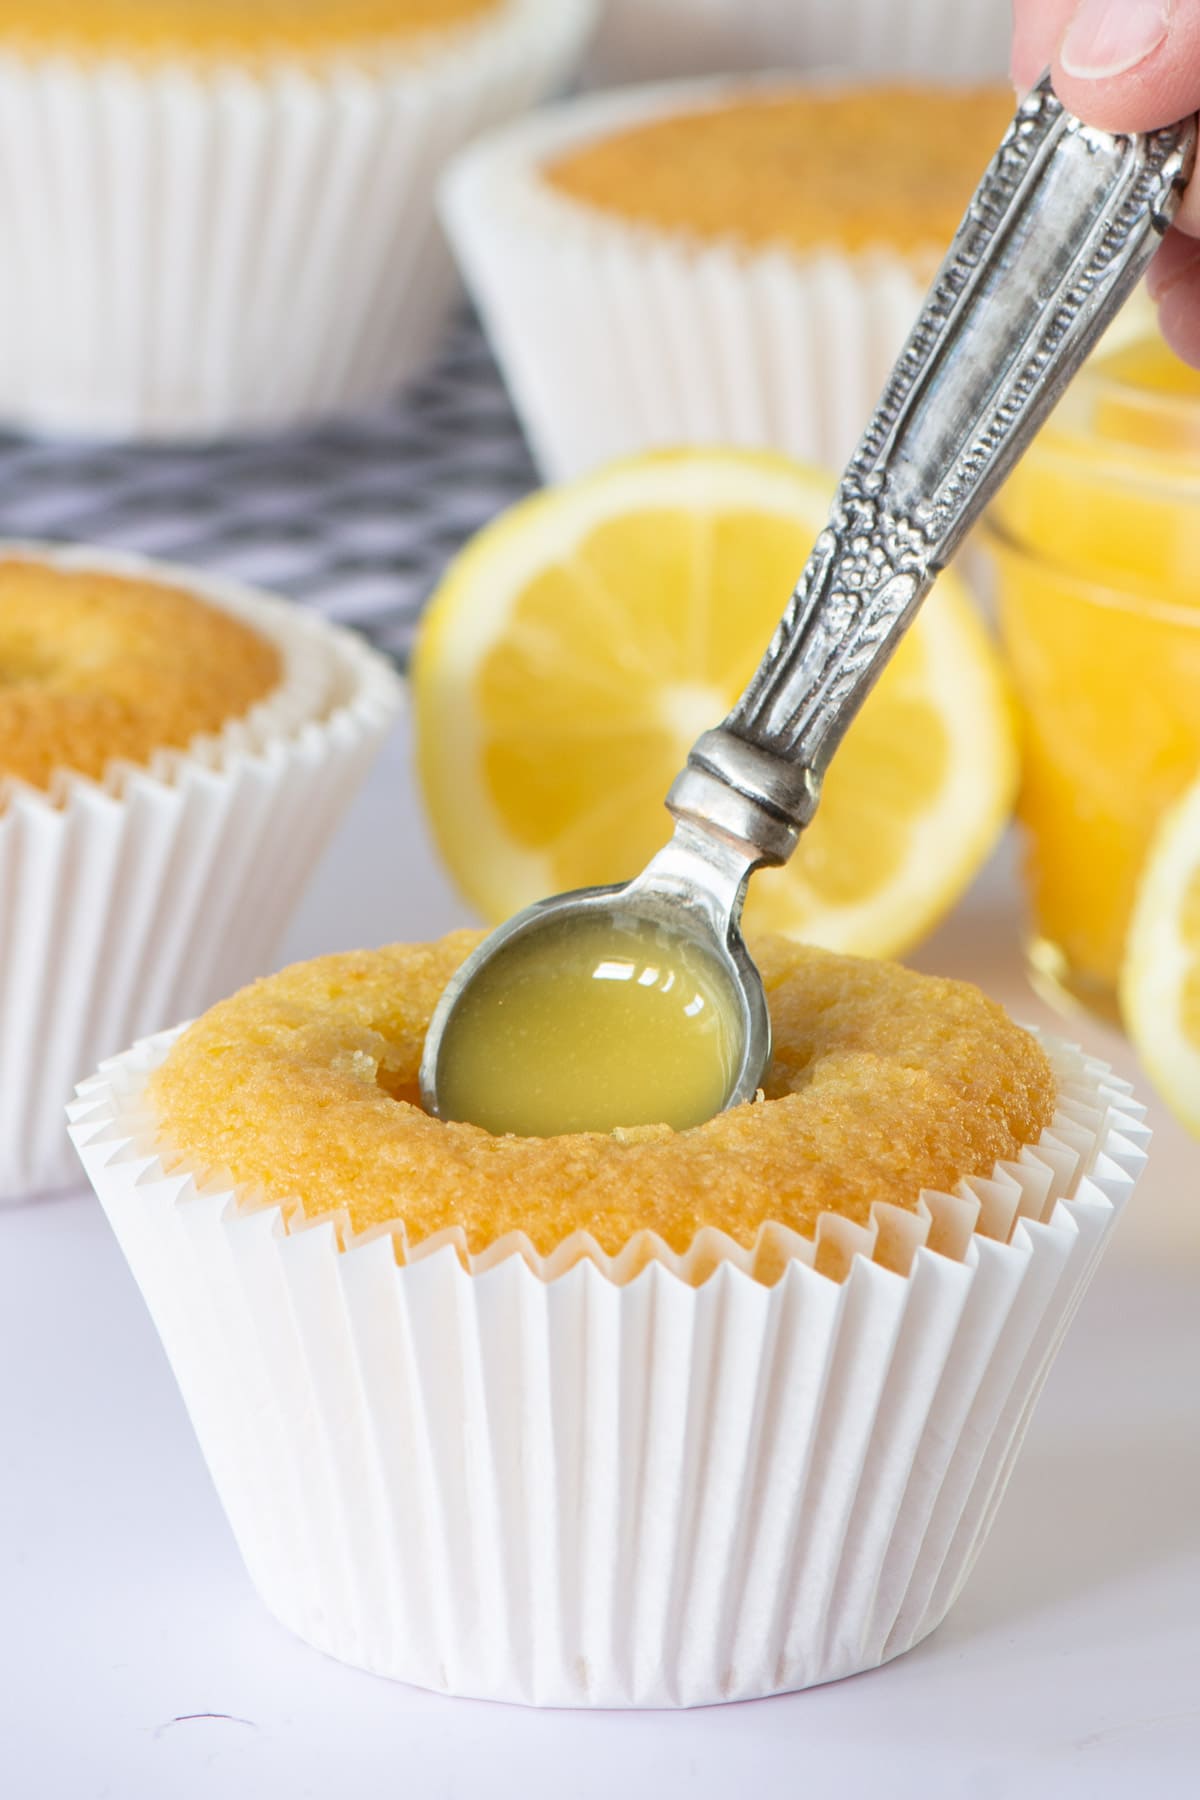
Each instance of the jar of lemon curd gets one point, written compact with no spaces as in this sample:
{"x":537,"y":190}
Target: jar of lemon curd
{"x":1096,"y":548}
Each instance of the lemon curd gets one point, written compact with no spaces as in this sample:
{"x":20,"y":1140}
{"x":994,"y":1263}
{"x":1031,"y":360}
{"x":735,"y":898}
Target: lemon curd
{"x":591,"y":1025}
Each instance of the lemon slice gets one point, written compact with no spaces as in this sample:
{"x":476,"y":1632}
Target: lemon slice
{"x":578,"y":646}
{"x":1160,"y":982}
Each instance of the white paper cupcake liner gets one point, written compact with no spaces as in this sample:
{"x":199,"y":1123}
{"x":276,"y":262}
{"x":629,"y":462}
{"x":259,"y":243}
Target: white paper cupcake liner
{"x":141,"y":899}
{"x":616,"y":338}
{"x":573,"y":1490}
{"x":193,"y":251}
{"x":930,"y":40}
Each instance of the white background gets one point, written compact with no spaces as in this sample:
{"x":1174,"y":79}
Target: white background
{"x":137,"y":1664}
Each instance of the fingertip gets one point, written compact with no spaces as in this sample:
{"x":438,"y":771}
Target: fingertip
{"x":1187,"y":219}
{"x":1155,"y":85}
{"x":1179,"y":315}
{"x":1119,"y":103}
{"x":1026,"y":68}
{"x":1173,"y":261}
{"x":1038,"y":26}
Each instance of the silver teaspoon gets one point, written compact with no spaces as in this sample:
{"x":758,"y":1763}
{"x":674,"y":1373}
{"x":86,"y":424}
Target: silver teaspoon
{"x":1055,"y":239}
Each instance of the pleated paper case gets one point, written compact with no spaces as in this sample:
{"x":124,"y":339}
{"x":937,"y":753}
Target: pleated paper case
{"x":537,"y":1481}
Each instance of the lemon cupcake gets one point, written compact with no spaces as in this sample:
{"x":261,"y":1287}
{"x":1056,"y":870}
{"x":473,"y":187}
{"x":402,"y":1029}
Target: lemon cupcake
{"x":958,"y":40}
{"x":638,"y":1419}
{"x":174,"y":751}
{"x":704,"y":263}
{"x":220,"y":215}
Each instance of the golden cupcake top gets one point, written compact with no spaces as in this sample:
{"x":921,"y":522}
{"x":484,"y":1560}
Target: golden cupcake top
{"x":304,"y":1089}
{"x":98,"y":668}
{"x":229,"y":27}
{"x":850,"y":168}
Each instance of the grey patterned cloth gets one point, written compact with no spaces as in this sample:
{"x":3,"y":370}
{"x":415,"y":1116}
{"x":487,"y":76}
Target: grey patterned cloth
{"x":356,"y":518}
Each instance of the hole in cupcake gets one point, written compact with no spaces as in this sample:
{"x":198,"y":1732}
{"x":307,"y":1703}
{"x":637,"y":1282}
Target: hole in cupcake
{"x":789,"y":1074}
{"x":400,"y":1084}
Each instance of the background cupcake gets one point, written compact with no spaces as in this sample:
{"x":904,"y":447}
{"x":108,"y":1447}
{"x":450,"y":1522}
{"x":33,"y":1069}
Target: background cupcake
{"x":713,"y":263}
{"x":690,"y":1471}
{"x":174,"y":752}
{"x":220,"y":216}
{"x":959,"y":39}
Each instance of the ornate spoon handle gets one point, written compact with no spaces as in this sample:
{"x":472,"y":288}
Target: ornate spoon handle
{"x":1057,"y":235}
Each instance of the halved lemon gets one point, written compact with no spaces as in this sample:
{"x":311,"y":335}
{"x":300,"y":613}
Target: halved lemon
{"x":1160,"y":981}
{"x":579,"y":645}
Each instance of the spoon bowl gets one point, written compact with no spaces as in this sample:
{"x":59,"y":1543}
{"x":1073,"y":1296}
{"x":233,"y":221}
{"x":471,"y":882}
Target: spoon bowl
{"x":656,"y":928}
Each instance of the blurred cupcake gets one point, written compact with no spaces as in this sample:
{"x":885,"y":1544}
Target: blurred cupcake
{"x":947,"y":40}
{"x":174,"y":752}
{"x":219,"y":215}
{"x":647,"y":1418}
{"x":704,"y":263}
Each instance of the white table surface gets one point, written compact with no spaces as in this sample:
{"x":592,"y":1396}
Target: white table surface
{"x":137,"y":1664}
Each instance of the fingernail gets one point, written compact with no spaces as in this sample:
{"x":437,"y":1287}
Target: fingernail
{"x":1110,"y":37}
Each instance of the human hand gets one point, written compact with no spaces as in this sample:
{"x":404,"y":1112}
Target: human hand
{"x":1128,"y":65}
